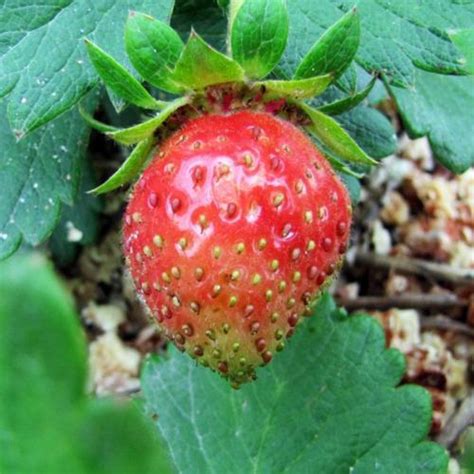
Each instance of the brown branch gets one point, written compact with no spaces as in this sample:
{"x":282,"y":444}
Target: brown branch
{"x":437,"y":271}
{"x":127,"y":392}
{"x":444,"y":323}
{"x":463,"y":418}
{"x":407,"y":301}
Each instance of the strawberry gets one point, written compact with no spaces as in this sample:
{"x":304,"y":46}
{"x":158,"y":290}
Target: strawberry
{"x":229,"y":234}
{"x":239,"y":220}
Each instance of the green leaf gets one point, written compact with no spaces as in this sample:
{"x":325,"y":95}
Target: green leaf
{"x":234,"y":7}
{"x":335,"y":138}
{"x":464,"y":40}
{"x":327,"y":404}
{"x":205,"y":17}
{"x":200,"y":66}
{"x":129,"y":169}
{"x":298,"y":89}
{"x":334,"y":51}
{"x":353,"y":186}
{"x":153,"y":48}
{"x":36,"y":175}
{"x":258,"y":36}
{"x":348,"y":103}
{"x":399,"y":42}
{"x":338,"y":165}
{"x":42,"y":387}
{"x":441,"y":107}
{"x":129,"y":136}
{"x":466,"y":460}
{"x":79,"y":224}
{"x":396,"y":38}
{"x":371,"y":130}
{"x":43,"y":61}
{"x":347,"y":81}
{"x":114,"y":435}
{"x":117,"y":78}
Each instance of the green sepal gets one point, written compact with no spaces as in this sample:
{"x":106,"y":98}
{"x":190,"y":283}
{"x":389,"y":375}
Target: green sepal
{"x":300,"y":88}
{"x":347,"y":81}
{"x":233,"y":8}
{"x":336,"y":163}
{"x":335,"y":49}
{"x":129,"y":169}
{"x":341,"y":167}
{"x":119,"y":80}
{"x":348,"y":103}
{"x":258,"y":36}
{"x":332,"y":135}
{"x":464,"y":41}
{"x":137,"y":133}
{"x":200,"y":66}
{"x":93,"y":123}
{"x":153,"y":48}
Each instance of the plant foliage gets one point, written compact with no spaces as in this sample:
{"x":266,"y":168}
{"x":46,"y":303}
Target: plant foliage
{"x":329,"y":404}
{"x":411,"y":49}
{"x":47,"y":423}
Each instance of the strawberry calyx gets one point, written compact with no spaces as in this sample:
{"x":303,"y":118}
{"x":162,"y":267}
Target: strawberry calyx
{"x":213,"y":82}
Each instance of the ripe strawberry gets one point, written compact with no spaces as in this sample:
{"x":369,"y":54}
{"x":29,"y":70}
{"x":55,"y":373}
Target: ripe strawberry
{"x":229,"y":234}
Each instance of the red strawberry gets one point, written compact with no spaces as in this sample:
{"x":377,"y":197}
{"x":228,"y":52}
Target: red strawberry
{"x":229,"y":234}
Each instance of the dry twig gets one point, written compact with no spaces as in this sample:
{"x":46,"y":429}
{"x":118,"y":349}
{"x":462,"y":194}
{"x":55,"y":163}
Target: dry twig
{"x":444,"y":323}
{"x":411,"y":301}
{"x":437,"y":271}
{"x":463,"y":418}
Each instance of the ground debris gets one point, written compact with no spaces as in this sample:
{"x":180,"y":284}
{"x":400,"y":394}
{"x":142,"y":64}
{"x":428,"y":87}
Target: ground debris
{"x":411,"y":265}
{"x":113,"y":367}
{"x":430,"y":362}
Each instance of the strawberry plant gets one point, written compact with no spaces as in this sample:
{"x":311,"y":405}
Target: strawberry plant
{"x":238,"y":132}
{"x":238,"y":161}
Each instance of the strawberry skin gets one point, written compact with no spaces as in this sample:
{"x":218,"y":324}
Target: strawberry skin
{"x":229,"y":234}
